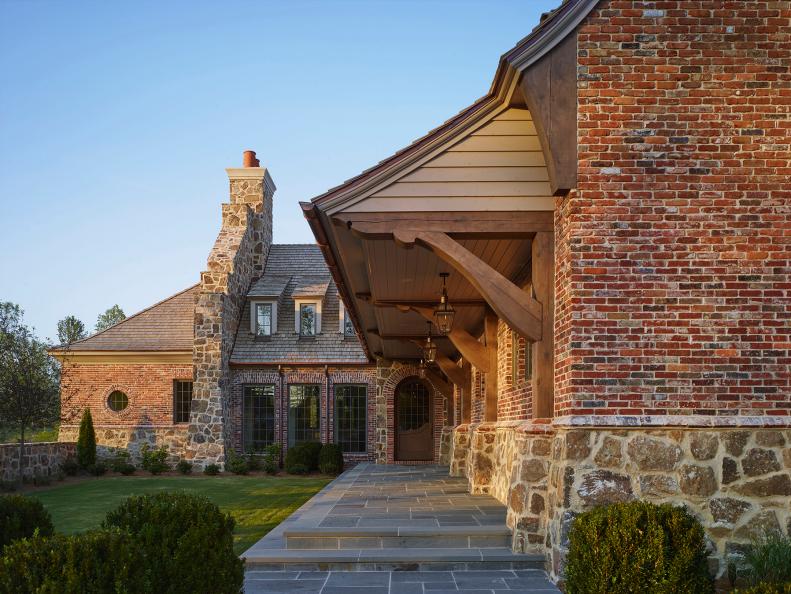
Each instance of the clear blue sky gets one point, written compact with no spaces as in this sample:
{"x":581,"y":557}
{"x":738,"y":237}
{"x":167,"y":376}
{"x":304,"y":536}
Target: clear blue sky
{"x":117,"y":120}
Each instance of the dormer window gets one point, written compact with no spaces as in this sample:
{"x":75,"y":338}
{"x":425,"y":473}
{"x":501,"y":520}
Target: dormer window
{"x":263,"y":319}
{"x":346,"y":325}
{"x":308,"y":319}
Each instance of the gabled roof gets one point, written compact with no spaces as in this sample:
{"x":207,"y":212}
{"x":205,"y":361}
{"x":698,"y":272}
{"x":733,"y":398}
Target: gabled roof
{"x":553,"y":28}
{"x":269,"y":285}
{"x":165,"y":326}
{"x":311,"y":286}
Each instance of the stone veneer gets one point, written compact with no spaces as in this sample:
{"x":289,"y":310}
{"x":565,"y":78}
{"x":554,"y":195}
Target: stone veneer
{"x":110,"y":439}
{"x":238,"y":256}
{"x":735,"y":480}
{"x":39,"y":459}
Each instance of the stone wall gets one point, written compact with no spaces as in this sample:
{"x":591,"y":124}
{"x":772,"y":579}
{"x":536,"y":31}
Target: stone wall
{"x":238,"y":256}
{"x":38,"y":459}
{"x":445,"y":445}
{"x":459,"y":450}
{"x":110,"y":439}
{"x":736,"y":481}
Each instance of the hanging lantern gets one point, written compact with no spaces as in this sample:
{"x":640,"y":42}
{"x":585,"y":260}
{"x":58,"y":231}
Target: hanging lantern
{"x":430,"y":348}
{"x":444,"y":313}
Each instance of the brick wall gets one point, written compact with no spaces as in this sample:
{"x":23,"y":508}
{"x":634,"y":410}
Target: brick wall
{"x":514,"y":390}
{"x":149,"y":388}
{"x":286,"y":376}
{"x":674,"y":253}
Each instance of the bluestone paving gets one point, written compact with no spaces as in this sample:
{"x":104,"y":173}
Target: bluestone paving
{"x":394,"y":530}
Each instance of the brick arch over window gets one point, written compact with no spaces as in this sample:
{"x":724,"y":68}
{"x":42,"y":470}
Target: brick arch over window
{"x":437,"y":400}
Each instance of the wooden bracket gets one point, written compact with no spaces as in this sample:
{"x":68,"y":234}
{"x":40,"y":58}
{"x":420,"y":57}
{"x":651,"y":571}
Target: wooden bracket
{"x":515,"y":307}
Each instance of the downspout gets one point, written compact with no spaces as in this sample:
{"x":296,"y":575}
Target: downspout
{"x":327,"y":404}
{"x":281,"y":408}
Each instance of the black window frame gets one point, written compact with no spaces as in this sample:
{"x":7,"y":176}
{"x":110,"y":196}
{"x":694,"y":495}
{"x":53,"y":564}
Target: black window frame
{"x":247,"y":439}
{"x":337,"y":418}
{"x":292,"y":430}
{"x":271,"y":320}
{"x":179,"y":411}
{"x":348,"y":325}
{"x":315,"y":307}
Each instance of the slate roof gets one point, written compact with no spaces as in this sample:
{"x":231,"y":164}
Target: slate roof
{"x":308,"y":275}
{"x":165,"y":326}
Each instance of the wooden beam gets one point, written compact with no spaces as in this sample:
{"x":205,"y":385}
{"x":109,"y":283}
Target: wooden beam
{"x":515,"y":307}
{"x":459,"y":224}
{"x":466,"y":393}
{"x":549,"y":88}
{"x":452,"y":370}
{"x":429,"y":303}
{"x":543,"y":274}
{"x":469,"y":347}
{"x":490,"y":335}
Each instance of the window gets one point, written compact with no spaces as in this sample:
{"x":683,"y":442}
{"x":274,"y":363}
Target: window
{"x":514,"y":358}
{"x":308,"y":319}
{"x":117,"y":401}
{"x":258,"y":417}
{"x":348,"y":327}
{"x":182,"y":399}
{"x":303,"y":414}
{"x":528,"y":360}
{"x":350,"y":418}
{"x":263,"y":319}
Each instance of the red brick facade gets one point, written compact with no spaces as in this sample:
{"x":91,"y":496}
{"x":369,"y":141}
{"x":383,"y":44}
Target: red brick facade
{"x":674,"y":253}
{"x":148,"y":386}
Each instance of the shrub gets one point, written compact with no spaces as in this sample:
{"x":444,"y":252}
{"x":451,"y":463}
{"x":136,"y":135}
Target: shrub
{"x":8,"y":486}
{"x":272,"y":458}
{"x":236,"y":464}
{"x":97,"y":469}
{"x":331,"y":459}
{"x":304,"y":454}
{"x":769,"y":560}
{"x":211,"y":470}
{"x":86,"y":441}
{"x":298,"y":469}
{"x":70,"y":466}
{"x":127,"y":469}
{"x":121,"y":459}
{"x":187,"y":542}
{"x":42,"y":480}
{"x":270,"y":467}
{"x":154,"y":461}
{"x":97,"y":561}
{"x":184,"y":467}
{"x":637,"y":547}
{"x":253,"y":462}
{"x":22,"y":517}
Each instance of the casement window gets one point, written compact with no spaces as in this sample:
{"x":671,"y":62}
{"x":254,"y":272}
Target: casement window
{"x":346,"y":325}
{"x":263,"y":318}
{"x":182,"y":400}
{"x":351,"y":418}
{"x":304,"y":412}
{"x":308,"y":319}
{"x":258,"y":417}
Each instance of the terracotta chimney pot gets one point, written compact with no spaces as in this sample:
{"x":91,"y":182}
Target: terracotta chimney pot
{"x":249,"y":160}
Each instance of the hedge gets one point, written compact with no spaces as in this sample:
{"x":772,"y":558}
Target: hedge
{"x":331,"y":459}
{"x":303,"y":454}
{"x":22,"y":517}
{"x":637,"y":547}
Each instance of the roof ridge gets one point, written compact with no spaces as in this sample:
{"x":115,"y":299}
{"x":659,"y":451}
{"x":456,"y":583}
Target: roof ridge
{"x":134,"y":315}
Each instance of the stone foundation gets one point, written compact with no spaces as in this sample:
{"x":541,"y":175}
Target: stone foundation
{"x":38,"y":459}
{"x":111,"y":439}
{"x":459,"y":450}
{"x":445,"y":445}
{"x":736,"y":481}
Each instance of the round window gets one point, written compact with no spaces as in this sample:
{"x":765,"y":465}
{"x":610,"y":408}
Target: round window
{"x":117,"y":401}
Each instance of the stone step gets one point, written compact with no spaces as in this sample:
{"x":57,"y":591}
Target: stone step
{"x":446,"y":537}
{"x":390,"y":559}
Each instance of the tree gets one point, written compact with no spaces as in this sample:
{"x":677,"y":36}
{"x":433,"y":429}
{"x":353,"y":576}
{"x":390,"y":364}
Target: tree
{"x":86,"y":441}
{"x":70,"y":330}
{"x":110,"y":318}
{"x":28,"y":377}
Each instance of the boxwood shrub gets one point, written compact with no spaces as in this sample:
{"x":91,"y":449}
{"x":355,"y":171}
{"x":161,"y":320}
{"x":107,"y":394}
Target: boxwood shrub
{"x":637,"y":547}
{"x":186,"y":541}
{"x":303,"y":454}
{"x":97,"y":561}
{"x":331,"y":459}
{"x":766,"y":588}
{"x":22,"y":517}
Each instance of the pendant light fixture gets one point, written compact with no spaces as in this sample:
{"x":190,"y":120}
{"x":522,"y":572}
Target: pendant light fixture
{"x":444,"y":313}
{"x":430,"y":349}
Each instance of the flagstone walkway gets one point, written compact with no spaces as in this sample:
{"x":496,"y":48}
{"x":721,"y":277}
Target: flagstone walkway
{"x":393,"y":529}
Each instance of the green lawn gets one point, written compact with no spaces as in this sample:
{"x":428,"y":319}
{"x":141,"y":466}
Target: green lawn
{"x":257,"y":503}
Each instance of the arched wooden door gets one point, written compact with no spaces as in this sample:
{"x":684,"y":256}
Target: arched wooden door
{"x":414,"y":427}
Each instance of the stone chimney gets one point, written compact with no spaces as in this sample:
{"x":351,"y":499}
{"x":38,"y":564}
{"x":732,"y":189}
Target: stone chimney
{"x":251,"y":185}
{"x":236,"y":260}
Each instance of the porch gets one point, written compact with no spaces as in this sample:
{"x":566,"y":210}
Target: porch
{"x":398,"y":528}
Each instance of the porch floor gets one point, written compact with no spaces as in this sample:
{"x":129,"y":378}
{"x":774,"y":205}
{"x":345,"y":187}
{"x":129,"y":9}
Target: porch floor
{"x":391,"y":529}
